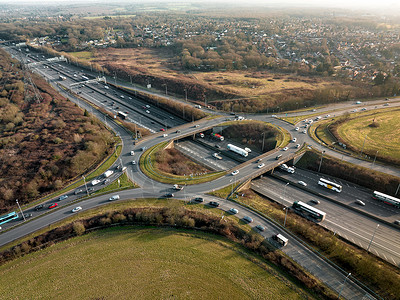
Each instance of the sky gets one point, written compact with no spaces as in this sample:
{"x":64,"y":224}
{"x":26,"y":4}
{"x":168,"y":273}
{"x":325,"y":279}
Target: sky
{"x":381,"y":4}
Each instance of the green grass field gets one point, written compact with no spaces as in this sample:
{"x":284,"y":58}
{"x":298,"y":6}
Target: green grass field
{"x":385,"y":138}
{"x":132,"y":263}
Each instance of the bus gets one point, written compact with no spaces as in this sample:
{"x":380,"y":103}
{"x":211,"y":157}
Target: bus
{"x":386,"y":199}
{"x":280,"y":239}
{"x":9,"y":217}
{"x":308,"y":211}
{"x":122,"y":115}
{"x":330,"y":185}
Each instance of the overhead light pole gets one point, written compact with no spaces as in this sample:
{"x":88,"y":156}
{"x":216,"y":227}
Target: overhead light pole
{"x":370,"y":242}
{"x":16,"y":200}
{"x":84,"y":180}
{"x":341,"y":290}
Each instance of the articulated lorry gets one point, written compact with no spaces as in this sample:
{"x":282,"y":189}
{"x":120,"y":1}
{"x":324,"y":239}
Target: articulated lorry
{"x":237,"y":150}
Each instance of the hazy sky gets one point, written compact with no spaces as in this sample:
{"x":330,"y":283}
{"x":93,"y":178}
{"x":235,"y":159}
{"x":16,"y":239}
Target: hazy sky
{"x":386,"y":4}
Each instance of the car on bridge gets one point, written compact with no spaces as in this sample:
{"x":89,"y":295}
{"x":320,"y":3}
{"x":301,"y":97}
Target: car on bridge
{"x":261,"y":165}
{"x":235,"y":172}
{"x":285,"y":149}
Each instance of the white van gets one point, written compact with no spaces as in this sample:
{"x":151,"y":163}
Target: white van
{"x":115,"y":197}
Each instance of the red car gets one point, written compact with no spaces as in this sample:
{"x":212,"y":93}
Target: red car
{"x":162,"y":129}
{"x":53,"y":205}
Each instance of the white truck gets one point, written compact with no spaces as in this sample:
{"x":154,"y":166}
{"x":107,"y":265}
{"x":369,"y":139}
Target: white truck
{"x":237,"y":150}
{"x":178,"y":187}
{"x":286,"y":168}
{"x":108,"y":173}
{"x":217,"y":156}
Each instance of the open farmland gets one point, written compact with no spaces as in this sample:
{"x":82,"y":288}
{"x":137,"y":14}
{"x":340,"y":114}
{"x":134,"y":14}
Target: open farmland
{"x":142,"y":263}
{"x":381,"y":132}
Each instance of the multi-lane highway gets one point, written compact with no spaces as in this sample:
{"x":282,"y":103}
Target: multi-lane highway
{"x":154,"y":119}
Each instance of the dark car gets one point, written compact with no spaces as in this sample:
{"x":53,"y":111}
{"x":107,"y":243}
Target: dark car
{"x":27,"y":216}
{"x":217,"y":146}
{"x":198,"y":199}
{"x":214,"y":203}
{"x":168,"y":195}
{"x":40,"y":206}
{"x":53,"y":205}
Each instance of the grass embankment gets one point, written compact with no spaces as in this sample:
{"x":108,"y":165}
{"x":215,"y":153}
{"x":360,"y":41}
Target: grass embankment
{"x":224,"y":192}
{"x":149,"y":166}
{"x":373,"y":133}
{"x":382,"y":277}
{"x":147,"y":263}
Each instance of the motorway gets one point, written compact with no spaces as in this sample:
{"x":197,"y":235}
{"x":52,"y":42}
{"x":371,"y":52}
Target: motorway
{"x":354,"y":227}
{"x":155,"y":120}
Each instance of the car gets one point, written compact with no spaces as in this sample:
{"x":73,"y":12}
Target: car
{"x":386,"y":104}
{"x":63,"y":197}
{"x":302,"y":183}
{"x":115,"y":197}
{"x":162,"y":129}
{"x":359,"y":202}
{"x":260,"y":227}
{"x":327,"y":116}
{"x":133,"y":162}
{"x":297,"y":128}
{"x":52,"y":205}
{"x":143,"y":148}
{"x":261,"y":165}
{"x":117,"y":107}
{"x":259,"y":160}
{"x":363,"y":109}
{"x":96,"y":181}
{"x":285,"y":149}
{"x":278,"y":156}
{"x":76,"y":209}
{"x":315,"y":201}
{"x":147,"y":111}
{"x":106,"y":181}
{"x":197,"y":125}
{"x":387,"y":99}
{"x":91,"y":189}
{"x":247,"y":219}
{"x":214,"y":203}
{"x":304,"y":131}
{"x":235,"y":172}
{"x":273,"y":116}
{"x":354,"y":110}
{"x":165,"y":135}
{"x":132,"y":153}
{"x":171,"y":117}
{"x":233,"y":211}
{"x":27,"y":215}
{"x":37,"y":207}
{"x":294,"y":140}
{"x":217,"y":146}
{"x":314,"y":110}
{"x":147,"y":106}
{"x":178,"y":131}
{"x":122,"y":96}
{"x":198,"y":199}
{"x":397,"y":222}
{"x":297,"y":146}
{"x":358,"y":102}
{"x":169,"y":195}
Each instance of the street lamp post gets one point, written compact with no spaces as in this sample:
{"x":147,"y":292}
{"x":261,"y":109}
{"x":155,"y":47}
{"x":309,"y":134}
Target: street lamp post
{"x":320,"y":163}
{"x":341,"y":290}
{"x":22,"y":214}
{"x":186,"y":95}
{"x":370,"y":242}
{"x":362,"y":149}
{"x":375,"y":158}
{"x":84,"y":180}
{"x":286,"y":209}
{"x":284,"y":190}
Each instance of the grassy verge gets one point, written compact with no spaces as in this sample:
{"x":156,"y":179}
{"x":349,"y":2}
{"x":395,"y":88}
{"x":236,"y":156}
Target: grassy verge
{"x":148,"y":263}
{"x":224,"y":192}
{"x":124,"y":183}
{"x":378,"y":275}
{"x":147,"y":165}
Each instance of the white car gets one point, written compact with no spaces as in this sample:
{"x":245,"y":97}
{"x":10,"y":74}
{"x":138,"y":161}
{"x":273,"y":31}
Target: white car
{"x":359,"y":202}
{"x":297,"y":128}
{"x":304,"y":131}
{"x":261,"y":165}
{"x":297,"y":146}
{"x":96,"y":181}
{"x":147,"y":106}
{"x":133,"y":162}
{"x":165,"y":135}
{"x":132,"y":153}
{"x":327,"y":116}
{"x":285,"y":149}
{"x":233,"y":211}
{"x":294,"y":140}
{"x":76,"y":209}
{"x":115,"y":197}
{"x":302,"y":183}
{"x":147,"y":111}
{"x":235,"y":172}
